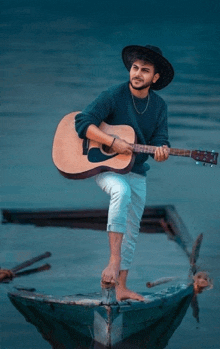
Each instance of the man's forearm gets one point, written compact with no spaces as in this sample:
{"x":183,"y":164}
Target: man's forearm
{"x":95,"y":134}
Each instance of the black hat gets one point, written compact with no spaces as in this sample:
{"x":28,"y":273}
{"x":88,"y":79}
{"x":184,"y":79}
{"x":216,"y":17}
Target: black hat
{"x":154,"y":55}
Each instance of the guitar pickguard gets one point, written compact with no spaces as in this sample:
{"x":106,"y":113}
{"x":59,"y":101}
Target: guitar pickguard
{"x":96,"y":155}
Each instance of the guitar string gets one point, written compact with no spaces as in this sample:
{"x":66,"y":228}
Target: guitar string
{"x":150,"y":149}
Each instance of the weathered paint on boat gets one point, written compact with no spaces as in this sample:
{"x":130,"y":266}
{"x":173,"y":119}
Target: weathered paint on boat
{"x":107,"y":322}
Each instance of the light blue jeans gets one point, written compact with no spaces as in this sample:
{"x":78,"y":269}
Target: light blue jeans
{"x":127,"y":201}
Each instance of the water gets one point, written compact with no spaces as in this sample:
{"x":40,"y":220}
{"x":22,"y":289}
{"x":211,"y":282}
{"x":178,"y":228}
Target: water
{"x":56,"y":58}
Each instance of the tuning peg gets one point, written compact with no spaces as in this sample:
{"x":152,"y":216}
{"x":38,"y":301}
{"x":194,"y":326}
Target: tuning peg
{"x":211,"y":165}
{"x":197,"y":162}
{"x":213,"y":151}
{"x":204,"y":164}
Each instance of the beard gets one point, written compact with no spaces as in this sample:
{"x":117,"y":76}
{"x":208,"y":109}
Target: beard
{"x":148,"y":84}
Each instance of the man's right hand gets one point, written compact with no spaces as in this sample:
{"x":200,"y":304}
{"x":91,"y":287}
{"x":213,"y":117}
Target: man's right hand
{"x":119,"y":146}
{"x":122,"y":147}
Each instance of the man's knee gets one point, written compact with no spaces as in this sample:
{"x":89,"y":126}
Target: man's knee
{"x":121,"y":192}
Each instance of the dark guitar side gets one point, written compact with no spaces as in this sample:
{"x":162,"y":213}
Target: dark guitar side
{"x":97,"y":170}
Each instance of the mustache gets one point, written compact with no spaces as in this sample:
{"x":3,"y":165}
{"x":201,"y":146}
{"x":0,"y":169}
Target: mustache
{"x":138,"y":79}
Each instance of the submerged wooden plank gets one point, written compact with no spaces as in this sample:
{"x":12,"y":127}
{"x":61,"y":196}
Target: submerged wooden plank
{"x":13,"y":215}
{"x":156,"y":219}
{"x":177,"y":229}
{"x":152,"y":220}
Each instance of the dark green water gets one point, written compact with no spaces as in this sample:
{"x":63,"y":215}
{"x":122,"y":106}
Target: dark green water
{"x":56,"y":58}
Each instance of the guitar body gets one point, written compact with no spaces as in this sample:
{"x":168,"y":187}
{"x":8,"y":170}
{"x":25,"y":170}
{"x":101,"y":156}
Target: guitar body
{"x":75,"y":160}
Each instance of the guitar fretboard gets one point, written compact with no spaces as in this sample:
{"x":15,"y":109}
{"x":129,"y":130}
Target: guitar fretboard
{"x":150,"y":149}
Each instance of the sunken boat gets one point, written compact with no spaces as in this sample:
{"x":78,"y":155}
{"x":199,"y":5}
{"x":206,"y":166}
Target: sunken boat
{"x":97,"y":320}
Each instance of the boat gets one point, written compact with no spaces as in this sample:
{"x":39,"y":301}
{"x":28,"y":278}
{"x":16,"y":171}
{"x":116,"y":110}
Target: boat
{"x":97,"y":320}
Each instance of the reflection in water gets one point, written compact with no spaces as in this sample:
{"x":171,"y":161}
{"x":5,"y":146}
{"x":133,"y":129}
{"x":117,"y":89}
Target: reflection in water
{"x":61,"y":335}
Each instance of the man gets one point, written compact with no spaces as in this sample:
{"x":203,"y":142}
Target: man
{"x":133,"y":103}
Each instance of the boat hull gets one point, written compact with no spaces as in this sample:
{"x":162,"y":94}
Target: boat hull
{"x":107,"y":324}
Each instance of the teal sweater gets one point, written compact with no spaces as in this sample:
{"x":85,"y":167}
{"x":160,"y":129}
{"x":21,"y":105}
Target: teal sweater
{"x":115,"y":107}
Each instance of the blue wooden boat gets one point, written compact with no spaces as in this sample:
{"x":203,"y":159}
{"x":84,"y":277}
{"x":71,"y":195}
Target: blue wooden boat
{"x":99,"y":321}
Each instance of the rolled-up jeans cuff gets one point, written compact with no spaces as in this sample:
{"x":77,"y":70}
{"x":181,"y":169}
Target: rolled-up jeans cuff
{"x":116,"y":228}
{"x":125,"y":266}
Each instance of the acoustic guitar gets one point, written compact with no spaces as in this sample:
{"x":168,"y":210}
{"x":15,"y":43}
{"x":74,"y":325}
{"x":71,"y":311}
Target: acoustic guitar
{"x":76,"y":158}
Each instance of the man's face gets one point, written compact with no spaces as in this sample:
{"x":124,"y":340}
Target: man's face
{"x":142,"y":75}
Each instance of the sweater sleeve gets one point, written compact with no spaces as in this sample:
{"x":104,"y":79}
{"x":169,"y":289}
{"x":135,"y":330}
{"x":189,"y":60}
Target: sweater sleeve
{"x":160,"y":135}
{"x":94,"y":113}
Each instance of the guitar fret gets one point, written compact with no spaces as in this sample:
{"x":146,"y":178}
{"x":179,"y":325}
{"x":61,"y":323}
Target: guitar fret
{"x":180,"y":152}
{"x":139,"y":148}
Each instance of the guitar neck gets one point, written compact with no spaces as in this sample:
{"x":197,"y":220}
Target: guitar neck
{"x":150,"y":149}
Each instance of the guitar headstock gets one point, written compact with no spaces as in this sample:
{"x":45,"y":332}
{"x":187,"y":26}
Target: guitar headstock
{"x":209,"y":157}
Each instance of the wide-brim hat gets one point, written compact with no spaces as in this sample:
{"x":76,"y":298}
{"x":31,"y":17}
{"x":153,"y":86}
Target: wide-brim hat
{"x":154,"y":55}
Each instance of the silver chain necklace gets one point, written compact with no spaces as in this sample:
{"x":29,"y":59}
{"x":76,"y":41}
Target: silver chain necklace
{"x":148,"y":99}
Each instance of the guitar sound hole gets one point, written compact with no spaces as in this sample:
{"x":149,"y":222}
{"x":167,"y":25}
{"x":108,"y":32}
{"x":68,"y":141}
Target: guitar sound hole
{"x":106,"y":149}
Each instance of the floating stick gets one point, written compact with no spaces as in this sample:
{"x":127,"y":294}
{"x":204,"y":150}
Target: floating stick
{"x":160,"y":281}
{"x":30,"y":262}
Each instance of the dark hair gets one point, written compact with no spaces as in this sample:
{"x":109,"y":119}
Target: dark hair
{"x":135,"y":56}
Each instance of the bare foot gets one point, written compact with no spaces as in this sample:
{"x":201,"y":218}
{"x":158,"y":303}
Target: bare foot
{"x":111,"y":273}
{"x":124,"y":293}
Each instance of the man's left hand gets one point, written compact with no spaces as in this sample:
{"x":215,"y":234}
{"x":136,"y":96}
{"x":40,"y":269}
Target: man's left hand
{"x":161,"y":153}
